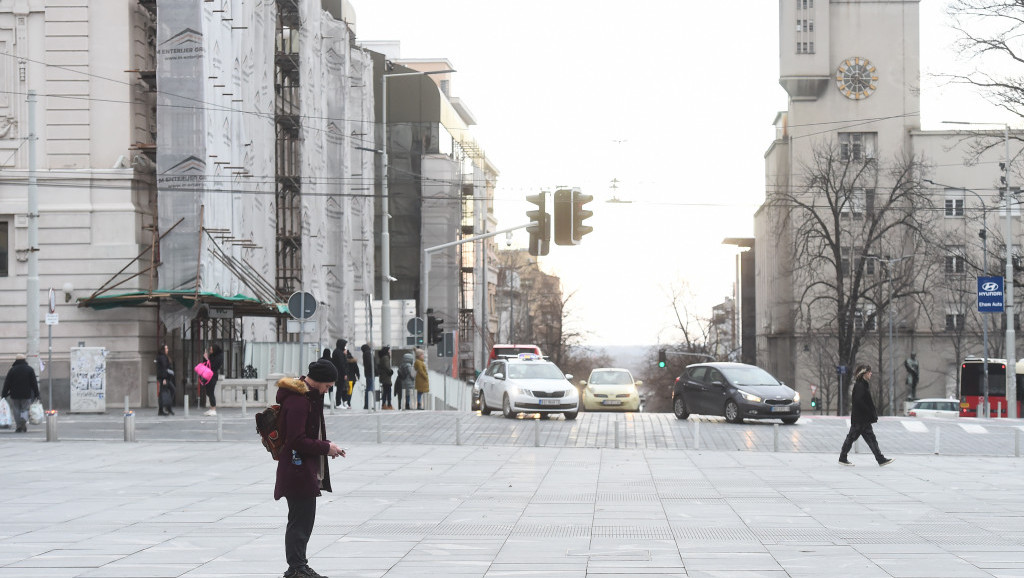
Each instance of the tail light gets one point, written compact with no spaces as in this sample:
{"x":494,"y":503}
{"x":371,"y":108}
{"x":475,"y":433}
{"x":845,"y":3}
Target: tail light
{"x":912,"y":413}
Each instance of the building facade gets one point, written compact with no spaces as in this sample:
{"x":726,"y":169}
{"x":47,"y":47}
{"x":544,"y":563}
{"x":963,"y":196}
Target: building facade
{"x":897,"y":230}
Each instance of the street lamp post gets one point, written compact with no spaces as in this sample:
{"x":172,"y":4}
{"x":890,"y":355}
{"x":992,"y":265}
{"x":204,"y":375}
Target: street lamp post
{"x":385,"y":228}
{"x":1011,"y":352}
{"x":892,"y":360}
{"x":984,"y":268}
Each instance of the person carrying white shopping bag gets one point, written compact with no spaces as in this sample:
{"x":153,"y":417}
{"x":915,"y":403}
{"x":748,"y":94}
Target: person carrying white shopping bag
{"x":20,"y":389}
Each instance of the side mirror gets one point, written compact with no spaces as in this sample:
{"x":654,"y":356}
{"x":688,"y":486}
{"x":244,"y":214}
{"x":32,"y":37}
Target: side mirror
{"x":638,"y":383}
{"x":717,"y":383}
{"x":568,"y":376}
{"x":499,"y":376}
{"x":583,"y":382}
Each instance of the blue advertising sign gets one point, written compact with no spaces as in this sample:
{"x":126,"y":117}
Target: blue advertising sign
{"x":990,"y":294}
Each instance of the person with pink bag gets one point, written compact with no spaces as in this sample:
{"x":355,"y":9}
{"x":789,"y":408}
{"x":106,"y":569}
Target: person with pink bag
{"x":208,"y":372}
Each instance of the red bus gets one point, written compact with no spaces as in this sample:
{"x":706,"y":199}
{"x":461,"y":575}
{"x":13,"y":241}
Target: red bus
{"x":972,"y":373}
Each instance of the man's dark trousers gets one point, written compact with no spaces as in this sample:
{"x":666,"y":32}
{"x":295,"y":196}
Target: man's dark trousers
{"x":301,"y":515}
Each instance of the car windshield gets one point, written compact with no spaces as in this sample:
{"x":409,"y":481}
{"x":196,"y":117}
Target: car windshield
{"x":610,"y":378}
{"x":748,"y":375}
{"x":534,"y":371}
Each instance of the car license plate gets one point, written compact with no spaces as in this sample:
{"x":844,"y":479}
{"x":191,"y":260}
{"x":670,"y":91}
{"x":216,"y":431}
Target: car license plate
{"x":611,"y":402}
{"x":549,"y":402}
{"x":780,"y":408}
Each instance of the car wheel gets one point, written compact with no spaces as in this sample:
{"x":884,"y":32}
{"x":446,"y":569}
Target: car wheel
{"x":571,"y":415}
{"x":484,"y":410}
{"x":506,"y":408}
{"x":679,"y":408}
{"x":789,"y":420}
{"x":732,"y":412}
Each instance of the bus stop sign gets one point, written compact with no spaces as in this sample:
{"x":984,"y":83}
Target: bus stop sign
{"x":990,"y":294}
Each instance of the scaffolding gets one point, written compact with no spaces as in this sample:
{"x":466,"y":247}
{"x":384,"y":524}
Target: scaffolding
{"x":288,"y":165}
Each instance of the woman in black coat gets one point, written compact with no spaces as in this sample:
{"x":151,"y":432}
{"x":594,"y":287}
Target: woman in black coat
{"x":165,"y":381}
{"x":862,"y":415}
{"x":215,"y":355}
{"x":338,"y":358}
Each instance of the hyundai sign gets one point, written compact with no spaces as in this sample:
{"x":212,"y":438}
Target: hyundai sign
{"x":990,"y":294}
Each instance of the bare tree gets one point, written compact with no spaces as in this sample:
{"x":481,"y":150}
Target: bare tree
{"x":851,"y":213}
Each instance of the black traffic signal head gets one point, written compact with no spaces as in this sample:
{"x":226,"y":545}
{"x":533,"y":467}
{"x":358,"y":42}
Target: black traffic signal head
{"x":579,"y":214}
{"x":563,"y":217}
{"x":662,"y":358}
{"x":540,"y":226}
{"x":435,"y":331}
{"x":814,"y":402}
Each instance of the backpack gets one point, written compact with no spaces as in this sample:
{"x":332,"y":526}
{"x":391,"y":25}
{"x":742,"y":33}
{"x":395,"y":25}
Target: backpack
{"x":266,"y":426}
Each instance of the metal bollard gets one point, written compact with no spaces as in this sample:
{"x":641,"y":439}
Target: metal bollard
{"x":458,"y":432}
{"x":775,"y":437}
{"x":126,"y":407}
{"x":536,"y":433}
{"x":51,"y":425}
{"x":938,"y":439}
{"x":1016,"y":443}
{"x":380,"y":432}
{"x":186,"y":404}
{"x":245,"y":395}
{"x":220,"y":428}
{"x":696,"y":435}
{"x":129,"y":426}
{"x":616,"y":434}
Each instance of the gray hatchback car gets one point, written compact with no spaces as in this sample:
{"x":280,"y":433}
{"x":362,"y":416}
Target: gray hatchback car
{"x":736,"y":391}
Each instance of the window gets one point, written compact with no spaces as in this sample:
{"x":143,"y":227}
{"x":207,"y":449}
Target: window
{"x":805,"y":25}
{"x":445,"y":84}
{"x":954,"y":321}
{"x":869,"y":265}
{"x":955,"y":264}
{"x":864,"y":319}
{"x":857,"y":202}
{"x":804,"y":4}
{"x":857,"y":146}
{"x":954,"y":203}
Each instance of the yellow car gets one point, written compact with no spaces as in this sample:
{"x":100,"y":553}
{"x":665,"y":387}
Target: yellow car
{"x":611,"y":388}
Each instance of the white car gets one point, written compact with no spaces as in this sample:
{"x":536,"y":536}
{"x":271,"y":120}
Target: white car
{"x":527,"y":384}
{"x":935,"y":407}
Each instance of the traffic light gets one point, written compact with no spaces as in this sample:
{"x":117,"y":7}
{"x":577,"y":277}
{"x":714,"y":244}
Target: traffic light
{"x":435,"y":333}
{"x":540,"y":227}
{"x":662,"y":358}
{"x":579,"y":214}
{"x":563,"y":217}
{"x":814,"y":403}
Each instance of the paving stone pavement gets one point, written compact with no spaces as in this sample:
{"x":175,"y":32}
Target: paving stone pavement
{"x":91,"y":505}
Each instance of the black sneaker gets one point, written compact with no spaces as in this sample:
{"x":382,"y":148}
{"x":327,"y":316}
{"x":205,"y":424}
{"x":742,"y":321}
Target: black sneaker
{"x":310,"y":573}
{"x":886,"y":462}
{"x":845,"y":462}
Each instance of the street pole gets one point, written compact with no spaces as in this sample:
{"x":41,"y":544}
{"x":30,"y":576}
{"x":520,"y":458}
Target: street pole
{"x":32,"y":284}
{"x":892,"y":359}
{"x":1011,"y":347}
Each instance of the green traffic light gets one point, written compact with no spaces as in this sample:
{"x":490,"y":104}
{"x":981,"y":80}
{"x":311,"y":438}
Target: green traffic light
{"x":661,"y":364}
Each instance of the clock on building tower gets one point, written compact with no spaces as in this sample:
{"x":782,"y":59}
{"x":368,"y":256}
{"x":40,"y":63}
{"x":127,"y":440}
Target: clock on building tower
{"x":856,"y":78}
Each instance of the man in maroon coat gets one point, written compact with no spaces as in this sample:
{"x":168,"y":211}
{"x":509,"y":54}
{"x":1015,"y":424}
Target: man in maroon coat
{"x":302,"y":469}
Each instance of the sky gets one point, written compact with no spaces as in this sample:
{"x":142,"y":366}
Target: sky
{"x":675,"y":100}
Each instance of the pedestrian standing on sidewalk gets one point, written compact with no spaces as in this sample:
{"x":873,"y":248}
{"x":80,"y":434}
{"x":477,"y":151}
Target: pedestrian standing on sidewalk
{"x":862,"y":415}
{"x":165,"y":381}
{"x":422,"y":378}
{"x":302,"y":471}
{"x":340,"y":364}
{"x":369,"y":401}
{"x":20,"y":389}
{"x":215,"y":355}
{"x":384,"y":371}
{"x":353,"y":375}
{"x":405,"y":381}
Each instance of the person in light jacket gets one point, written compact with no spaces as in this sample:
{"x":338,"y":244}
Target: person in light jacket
{"x":862,"y":415}
{"x":422,"y":378}
{"x":406,"y":380}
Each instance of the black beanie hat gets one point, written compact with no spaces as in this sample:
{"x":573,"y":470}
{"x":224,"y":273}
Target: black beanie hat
{"x":323,"y":371}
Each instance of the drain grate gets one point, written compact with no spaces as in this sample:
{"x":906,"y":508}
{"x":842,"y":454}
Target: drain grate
{"x":472,"y":530}
{"x":691,"y":495}
{"x":565,"y":498}
{"x":645,"y":533}
{"x":794,"y":535}
{"x":547,"y":531}
{"x":876,"y":537}
{"x":714,"y":533}
{"x":391,"y":529}
{"x":622,"y":498}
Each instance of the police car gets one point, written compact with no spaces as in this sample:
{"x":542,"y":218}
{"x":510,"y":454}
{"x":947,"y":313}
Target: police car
{"x":526,"y":383}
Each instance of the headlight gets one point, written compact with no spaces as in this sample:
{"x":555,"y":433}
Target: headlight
{"x":524,"y":391}
{"x":796,"y":398}
{"x":749,"y":396}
